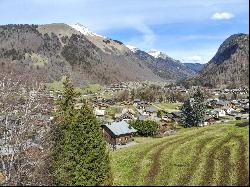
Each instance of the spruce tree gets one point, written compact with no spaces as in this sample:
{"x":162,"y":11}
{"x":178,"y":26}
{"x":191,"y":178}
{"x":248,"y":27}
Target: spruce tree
{"x":87,"y":153}
{"x":199,"y":107}
{"x":188,"y":117}
{"x":63,"y":119}
{"x":193,"y":110}
{"x":80,"y":154}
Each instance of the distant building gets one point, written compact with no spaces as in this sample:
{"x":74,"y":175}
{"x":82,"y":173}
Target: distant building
{"x":218,"y":113}
{"x":99,"y":112}
{"x":152,"y":111}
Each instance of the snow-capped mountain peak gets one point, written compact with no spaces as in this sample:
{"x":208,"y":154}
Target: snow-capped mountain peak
{"x":132,"y":48}
{"x":84,"y":30}
{"x":157,"y":54}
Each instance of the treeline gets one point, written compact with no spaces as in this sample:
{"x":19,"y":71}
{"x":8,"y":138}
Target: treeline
{"x":152,"y":93}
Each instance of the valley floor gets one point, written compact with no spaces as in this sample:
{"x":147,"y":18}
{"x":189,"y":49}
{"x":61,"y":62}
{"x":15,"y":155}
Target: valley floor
{"x":214,"y":155}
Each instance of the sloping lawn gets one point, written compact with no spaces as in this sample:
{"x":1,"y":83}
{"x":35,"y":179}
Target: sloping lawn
{"x":213,"y":155}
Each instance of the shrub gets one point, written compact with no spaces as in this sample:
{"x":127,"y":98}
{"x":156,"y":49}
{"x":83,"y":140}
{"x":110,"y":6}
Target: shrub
{"x":145,"y":128}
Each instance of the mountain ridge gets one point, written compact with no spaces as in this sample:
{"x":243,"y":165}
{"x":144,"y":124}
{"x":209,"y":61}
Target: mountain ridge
{"x":61,"y":49}
{"x":230,"y":65}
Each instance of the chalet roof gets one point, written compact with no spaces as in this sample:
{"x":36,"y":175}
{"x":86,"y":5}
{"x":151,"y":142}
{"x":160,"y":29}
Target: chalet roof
{"x":207,"y":117}
{"x":120,"y":128}
{"x":169,"y":115}
{"x":246,"y":106}
{"x":216,"y":110}
{"x":244,"y":101}
{"x":222,"y":102}
{"x":151,"y":109}
{"x":176,"y":114}
{"x":137,"y":100}
{"x":124,"y":116}
{"x":142,"y":117}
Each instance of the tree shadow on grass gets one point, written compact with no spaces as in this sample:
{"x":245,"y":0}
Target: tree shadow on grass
{"x":242,"y":124}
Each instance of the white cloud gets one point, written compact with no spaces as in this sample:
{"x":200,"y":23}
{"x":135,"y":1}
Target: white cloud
{"x":146,"y":39}
{"x":222,"y":15}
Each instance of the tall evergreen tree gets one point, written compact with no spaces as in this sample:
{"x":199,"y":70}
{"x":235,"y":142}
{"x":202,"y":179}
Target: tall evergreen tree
{"x":199,"y":107}
{"x":63,"y":118}
{"x":87,"y":152}
{"x":81,"y":157}
{"x":133,"y":94}
{"x":188,"y":117}
{"x":193,"y":110}
{"x":66,"y":103}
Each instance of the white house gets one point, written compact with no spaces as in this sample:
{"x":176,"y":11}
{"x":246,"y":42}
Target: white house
{"x":230,"y":110}
{"x":99,"y":112}
{"x":218,"y":113}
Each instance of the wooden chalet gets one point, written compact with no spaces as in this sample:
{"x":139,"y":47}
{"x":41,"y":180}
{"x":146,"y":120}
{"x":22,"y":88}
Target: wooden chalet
{"x":118,"y":133}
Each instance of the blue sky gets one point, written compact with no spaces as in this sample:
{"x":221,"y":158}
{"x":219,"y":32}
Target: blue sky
{"x":190,"y":31}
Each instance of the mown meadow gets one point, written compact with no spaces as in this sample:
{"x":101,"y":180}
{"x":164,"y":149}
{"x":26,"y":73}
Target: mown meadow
{"x":213,"y":155}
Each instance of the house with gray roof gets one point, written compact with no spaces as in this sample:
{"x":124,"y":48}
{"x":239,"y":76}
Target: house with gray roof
{"x":151,"y":109}
{"x":118,"y":133}
{"x":222,"y":103}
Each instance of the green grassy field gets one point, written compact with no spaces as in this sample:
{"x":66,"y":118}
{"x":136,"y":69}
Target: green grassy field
{"x":214,"y":155}
{"x":169,"y":106}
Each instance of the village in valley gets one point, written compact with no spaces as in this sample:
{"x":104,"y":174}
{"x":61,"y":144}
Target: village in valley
{"x":124,"y":93}
{"x":117,"y":104}
{"x":115,"y":107}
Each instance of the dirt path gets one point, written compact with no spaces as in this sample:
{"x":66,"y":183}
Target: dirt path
{"x":243,"y":175}
{"x":156,"y":165}
{"x":210,"y":163}
{"x":185,"y":179}
{"x":225,"y":166}
{"x":138,"y":165}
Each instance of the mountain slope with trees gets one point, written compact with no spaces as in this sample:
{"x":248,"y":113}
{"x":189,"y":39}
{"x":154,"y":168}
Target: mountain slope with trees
{"x":194,"y":66}
{"x":165,"y":66}
{"x":53,"y":50}
{"x":230,"y":65}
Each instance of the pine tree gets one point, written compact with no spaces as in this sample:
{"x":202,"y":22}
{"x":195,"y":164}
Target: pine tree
{"x":132,"y":94}
{"x":66,"y":104}
{"x":63,"y":119}
{"x":199,"y":107}
{"x":188,"y":117}
{"x":193,"y":110}
{"x":87,"y":154}
{"x":80,"y":154}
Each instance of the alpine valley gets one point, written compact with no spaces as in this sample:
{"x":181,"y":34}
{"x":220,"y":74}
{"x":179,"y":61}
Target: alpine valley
{"x":48,"y":52}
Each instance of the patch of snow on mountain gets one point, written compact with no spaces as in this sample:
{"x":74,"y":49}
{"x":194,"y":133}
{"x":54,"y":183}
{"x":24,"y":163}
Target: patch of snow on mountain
{"x":132,"y":48}
{"x":157,"y":54}
{"x":84,"y":30}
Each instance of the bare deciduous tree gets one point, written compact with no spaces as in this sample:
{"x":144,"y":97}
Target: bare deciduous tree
{"x":24,"y":131}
